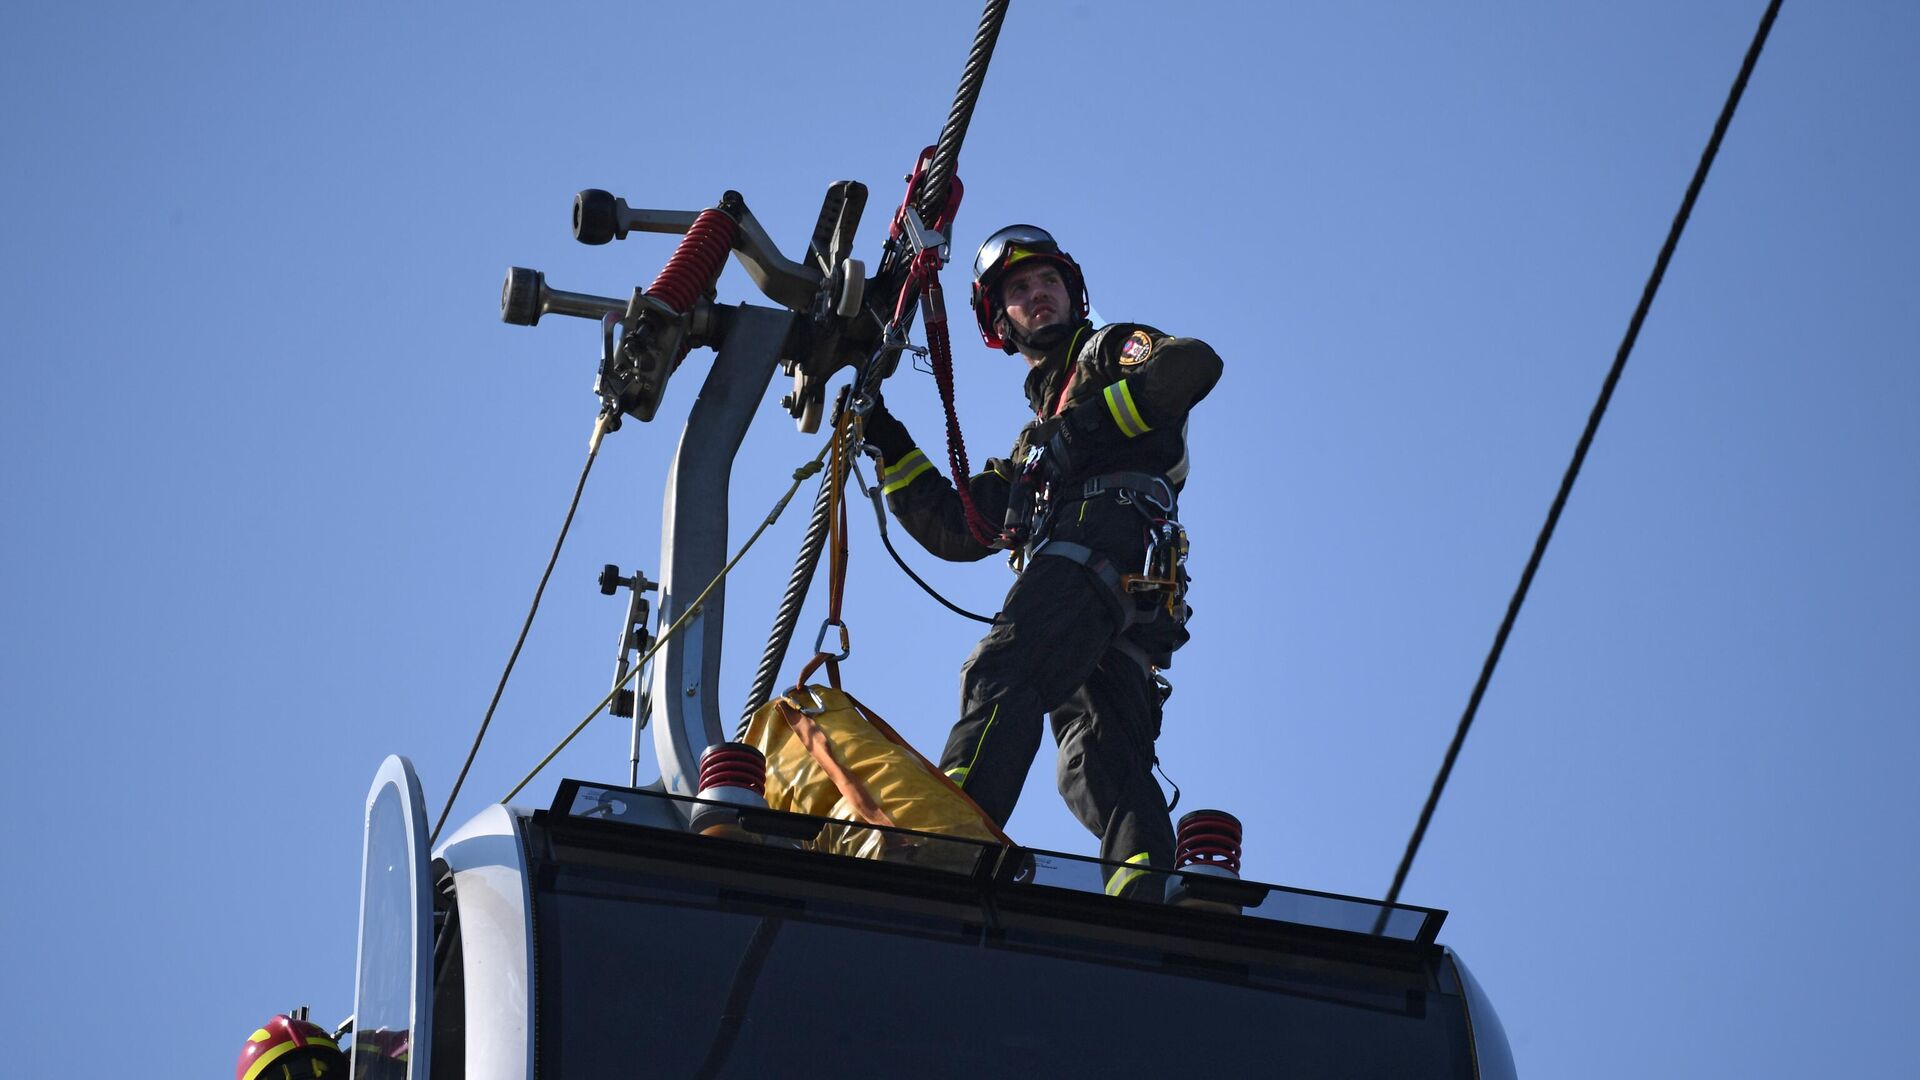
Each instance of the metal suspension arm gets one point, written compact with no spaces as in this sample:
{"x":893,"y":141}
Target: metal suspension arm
{"x":600,"y":216}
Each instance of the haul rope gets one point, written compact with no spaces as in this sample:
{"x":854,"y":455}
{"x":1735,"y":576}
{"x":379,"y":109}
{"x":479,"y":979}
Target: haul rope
{"x":946,"y":153}
{"x":1580,"y":453}
{"x":799,"y":582}
{"x":836,"y":554}
{"x":932,"y":197}
{"x":788,"y":615}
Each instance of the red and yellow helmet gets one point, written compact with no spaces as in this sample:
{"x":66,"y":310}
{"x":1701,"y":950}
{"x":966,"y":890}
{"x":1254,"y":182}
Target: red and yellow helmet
{"x":290,"y":1049}
{"x":1002,"y":252}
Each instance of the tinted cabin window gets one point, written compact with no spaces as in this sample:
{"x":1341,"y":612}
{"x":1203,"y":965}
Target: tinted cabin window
{"x":672,"y":978}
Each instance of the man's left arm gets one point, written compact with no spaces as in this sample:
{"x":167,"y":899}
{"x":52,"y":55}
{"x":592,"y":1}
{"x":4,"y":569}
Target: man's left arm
{"x":1148,"y":381}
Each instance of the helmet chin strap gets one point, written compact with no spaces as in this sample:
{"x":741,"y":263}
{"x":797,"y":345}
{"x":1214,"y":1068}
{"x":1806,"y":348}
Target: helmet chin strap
{"x":1041,"y":341}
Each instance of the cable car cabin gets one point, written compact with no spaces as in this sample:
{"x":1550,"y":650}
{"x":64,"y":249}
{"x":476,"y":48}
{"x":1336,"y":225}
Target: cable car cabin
{"x":601,"y":937}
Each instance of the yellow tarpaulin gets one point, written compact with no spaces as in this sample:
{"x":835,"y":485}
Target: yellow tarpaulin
{"x":829,"y":756}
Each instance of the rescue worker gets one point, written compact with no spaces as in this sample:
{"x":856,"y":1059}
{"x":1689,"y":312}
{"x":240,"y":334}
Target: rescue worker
{"x":1089,"y":489}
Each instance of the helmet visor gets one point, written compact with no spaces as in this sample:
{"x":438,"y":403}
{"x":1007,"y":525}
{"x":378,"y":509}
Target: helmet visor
{"x":1009,"y":245}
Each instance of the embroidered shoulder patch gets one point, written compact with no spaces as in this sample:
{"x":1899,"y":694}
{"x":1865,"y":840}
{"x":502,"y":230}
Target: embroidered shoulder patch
{"x":1138,"y":346}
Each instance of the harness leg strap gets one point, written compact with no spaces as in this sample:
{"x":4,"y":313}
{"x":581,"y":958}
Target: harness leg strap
{"x":1126,"y":613}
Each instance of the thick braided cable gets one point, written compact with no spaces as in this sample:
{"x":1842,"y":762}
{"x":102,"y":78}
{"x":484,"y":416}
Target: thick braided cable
{"x":933,"y":199}
{"x":801,"y":581}
{"x":946,"y":152}
{"x":788,"y":617}
{"x":842,"y":449}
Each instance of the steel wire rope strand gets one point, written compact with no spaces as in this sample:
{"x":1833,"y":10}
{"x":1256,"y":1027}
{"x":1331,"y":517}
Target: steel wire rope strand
{"x":933,"y":197}
{"x":799,"y":477}
{"x":788,"y":615}
{"x":1580,"y":453}
{"x":880,"y":518}
{"x":593,"y":451}
{"x":946,"y":154}
{"x":805,"y":564}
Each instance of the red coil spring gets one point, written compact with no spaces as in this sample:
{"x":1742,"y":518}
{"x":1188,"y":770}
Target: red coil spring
{"x":697,"y":262}
{"x":1208,"y":838}
{"x":732,"y":764}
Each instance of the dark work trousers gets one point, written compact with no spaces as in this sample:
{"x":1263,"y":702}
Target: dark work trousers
{"x":1051,"y":651}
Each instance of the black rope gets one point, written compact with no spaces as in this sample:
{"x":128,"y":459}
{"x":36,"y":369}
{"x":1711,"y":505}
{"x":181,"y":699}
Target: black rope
{"x":880,"y":518}
{"x":946,"y":152}
{"x":1580,"y":453}
{"x":593,"y":451}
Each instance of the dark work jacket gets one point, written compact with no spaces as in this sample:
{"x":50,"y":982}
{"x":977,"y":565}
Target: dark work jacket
{"x":1125,"y":409}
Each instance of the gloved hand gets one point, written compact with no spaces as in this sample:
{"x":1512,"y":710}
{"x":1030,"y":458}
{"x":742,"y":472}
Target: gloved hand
{"x":887,"y":434}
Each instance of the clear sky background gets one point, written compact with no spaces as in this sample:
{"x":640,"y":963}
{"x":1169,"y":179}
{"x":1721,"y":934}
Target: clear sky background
{"x":278,"y":483}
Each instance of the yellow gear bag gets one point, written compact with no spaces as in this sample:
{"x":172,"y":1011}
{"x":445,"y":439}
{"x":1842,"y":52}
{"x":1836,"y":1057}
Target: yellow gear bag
{"x":838,"y":760}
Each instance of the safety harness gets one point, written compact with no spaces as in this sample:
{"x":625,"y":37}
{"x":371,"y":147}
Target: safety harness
{"x":1032,"y":509}
{"x":1160,"y":586}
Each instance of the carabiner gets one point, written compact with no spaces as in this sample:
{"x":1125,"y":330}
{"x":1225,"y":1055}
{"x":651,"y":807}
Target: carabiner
{"x":793,"y":696}
{"x":820,"y":640}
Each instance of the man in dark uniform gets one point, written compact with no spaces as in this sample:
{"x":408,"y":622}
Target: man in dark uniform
{"x":1086,"y":503}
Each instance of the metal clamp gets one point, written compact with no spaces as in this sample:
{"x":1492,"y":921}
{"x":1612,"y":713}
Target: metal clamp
{"x":921,"y":238}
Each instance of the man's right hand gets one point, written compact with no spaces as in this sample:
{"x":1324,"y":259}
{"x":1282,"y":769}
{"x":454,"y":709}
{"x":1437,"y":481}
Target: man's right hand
{"x":887,"y":434}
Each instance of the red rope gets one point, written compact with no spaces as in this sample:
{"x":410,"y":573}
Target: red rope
{"x":940,"y":351}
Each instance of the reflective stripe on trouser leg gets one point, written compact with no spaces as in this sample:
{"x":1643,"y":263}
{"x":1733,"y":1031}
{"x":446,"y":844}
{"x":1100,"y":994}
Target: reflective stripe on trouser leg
{"x":1136,"y":866}
{"x":1049,"y":638}
{"x":958,"y":773}
{"x":1106,"y":731}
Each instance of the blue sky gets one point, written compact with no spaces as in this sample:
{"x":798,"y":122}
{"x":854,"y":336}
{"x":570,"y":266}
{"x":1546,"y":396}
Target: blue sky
{"x":279,"y":483}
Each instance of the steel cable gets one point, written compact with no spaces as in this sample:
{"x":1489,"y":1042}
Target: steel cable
{"x":1580,"y":453}
{"x":593,"y":451}
{"x":788,"y":616}
{"x":946,"y":153}
{"x":932,"y":199}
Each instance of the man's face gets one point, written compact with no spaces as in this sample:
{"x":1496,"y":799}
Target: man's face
{"x":1034,"y":296}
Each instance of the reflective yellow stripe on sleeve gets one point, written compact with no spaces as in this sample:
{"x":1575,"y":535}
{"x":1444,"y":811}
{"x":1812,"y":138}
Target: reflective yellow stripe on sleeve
{"x":902,"y":472}
{"x":1126,"y":415}
{"x":1123,"y":878}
